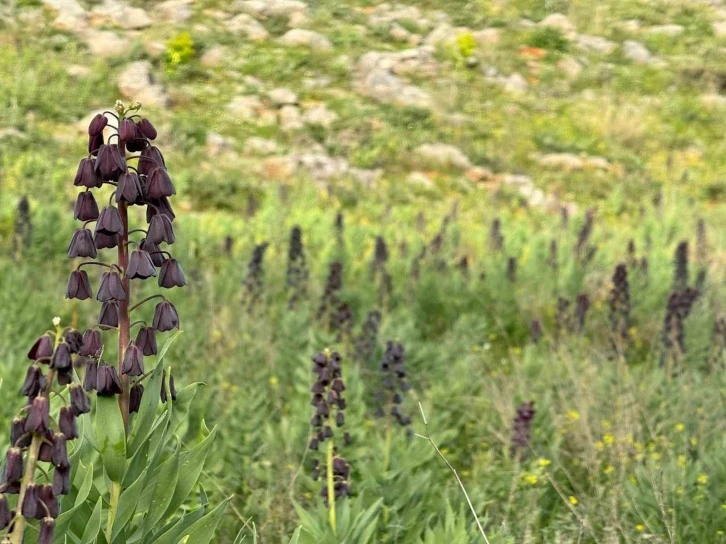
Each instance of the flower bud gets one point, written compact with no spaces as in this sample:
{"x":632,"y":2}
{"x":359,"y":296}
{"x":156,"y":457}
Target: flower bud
{"x":67,"y":423}
{"x":105,"y":241}
{"x":59,"y":455}
{"x":111,"y":287}
{"x":141,"y":265}
{"x":30,"y":505}
{"x":109,"y":222}
{"x":98,"y":123}
{"x":146,"y":340}
{"x":91,"y":377}
{"x":129,"y":188}
{"x":108,"y":316}
{"x":86,"y":208}
{"x":86,"y":175}
{"x":133,"y":362}
{"x":33,"y":382}
{"x":42,"y":349}
{"x":135,"y":396}
{"x":92,"y":344}
{"x":146,"y":128}
{"x":38,"y":416}
{"x":61,"y":359}
{"x":6,"y":514}
{"x":79,"y":401}
{"x":45,"y":452}
{"x":160,"y":230}
{"x":153,"y":250}
{"x":61,"y":481}
{"x":159,"y":183}
{"x":18,"y":437}
{"x":13,"y":470}
{"x":82,"y":244}
{"x":47,"y":530}
{"x":166,"y":317}
{"x":171,"y":274}
{"x":110,"y":164}
{"x":108,"y":383}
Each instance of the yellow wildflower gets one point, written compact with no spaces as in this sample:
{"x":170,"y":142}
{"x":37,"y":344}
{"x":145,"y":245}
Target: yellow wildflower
{"x":544,"y":462}
{"x":609,"y":469}
{"x":608,"y":439}
{"x":702,"y":479}
{"x":680,"y":427}
{"x":640,"y":527}
{"x":573,"y":415}
{"x":573,"y":500}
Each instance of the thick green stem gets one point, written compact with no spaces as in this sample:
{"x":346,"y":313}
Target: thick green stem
{"x":113,"y":508}
{"x":124,"y":333}
{"x":331,"y":487}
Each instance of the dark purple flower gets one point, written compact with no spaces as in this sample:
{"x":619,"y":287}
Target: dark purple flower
{"x":129,"y":188}
{"x":109,"y":222}
{"x":146,"y":128}
{"x":59,"y":453}
{"x":159,"y":205}
{"x":146,"y":340}
{"x":79,"y":401}
{"x":34,"y":382}
{"x":166,"y":317}
{"x":141,"y":265}
{"x":86,"y":208}
{"x":153,"y":250}
{"x":98,"y":123}
{"x":94,"y":145}
{"x":127,"y":130}
{"x":160,"y":230}
{"x":18,"y":437}
{"x":61,"y":359}
{"x":151,"y":157}
{"x":108,"y":316}
{"x":111,"y":287}
{"x":79,"y":286}
{"x":6,"y":514}
{"x":65,"y":377}
{"x":62,"y":481}
{"x":30,"y":504}
{"x":86,"y":175}
{"x":82,"y":245}
{"x":171,"y":274}
{"x":67,"y":423}
{"x":42,"y":348}
{"x":47,"y":500}
{"x":137,"y":392}
{"x":91,"y":377}
{"x":13,"y":470}
{"x":105,"y":241}
{"x":108,"y":383}
{"x":133,"y":363}
{"x":38,"y":416}
{"x":92,"y":343}
{"x":74,"y":339}
{"x":159,"y":183}
{"x":110,"y":164}
{"x":47,"y":529}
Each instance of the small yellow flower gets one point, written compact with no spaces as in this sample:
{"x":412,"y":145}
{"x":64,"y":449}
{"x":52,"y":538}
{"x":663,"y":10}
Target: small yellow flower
{"x":694,"y":442}
{"x":640,"y":527}
{"x":274,"y":381}
{"x":680,"y":427}
{"x":682,"y":461}
{"x":655,"y":456}
{"x":544,"y":462}
{"x":702,"y":479}
{"x":723,"y":506}
{"x":609,"y":469}
{"x":573,"y":500}
{"x":530,"y":478}
{"x":599,"y":445}
{"x":608,"y":439}
{"x":573,"y":415}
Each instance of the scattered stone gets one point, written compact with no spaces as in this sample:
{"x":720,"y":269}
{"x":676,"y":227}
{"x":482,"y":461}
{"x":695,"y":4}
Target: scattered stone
{"x":561,"y":23}
{"x":444,"y":156}
{"x":480,"y":174}
{"x":249,"y":26}
{"x":260,"y":146}
{"x":262,"y":9}
{"x":319,"y":115}
{"x":665,"y":30}
{"x":282,"y":97}
{"x":122,"y":15}
{"x":106,"y":44}
{"x":298,"y":37}
{"x":135,"y":83}
{"x":515,"y":83}
{"x":213,"y":57}
{"x":420,"y":179}
{"x":570,"y":66}
{"x":366,"y":177}
{"x":174,"y":11}
{"x":398,"y":33}
{"x":719,"y":28}
{"x":445,"y":34}
{"x":636,"y":52}
{"x":487,"y":36}
{"x":246,"y":107}
{"x":218,"y":144}
{"x":569,"y":162}
{"x":71,"y":14}
{"x":78,"y":70}
{"x":155,"y":48}
{"x":595,"y":43}
{"x":290,"y":118}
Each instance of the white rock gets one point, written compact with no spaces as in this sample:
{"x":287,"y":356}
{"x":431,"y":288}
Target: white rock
{"x":420,"y":179}
{"x":246,"y":107}
{"x":366,"y":177}
{"x":249,"y":26}
{"x":298,"y":37}
{"x":213,"y":57}
{"x":636,"y":52}
{"x":665,"y":30}
{"x":260,"y":146}
{"x":217,"y":144}
{"x":123,"y":15}
{"x":561,"y":161}
{"x":719,"y":28}
{"x":78,"y":70}
{"x":282,"y":97}
{"x":135,"y":83}
{"x":570,"y":66}
{"x":174,"y":11}
{"x":398,"y":33}
{"x":560,"y":22}
{"x":290,"y":118}
{"x":319,"y":115}
{"x":487,"y":36}
{"x":441,"y":155}
{"x":515,"y":83}
{"x":106,"y":44}
{"x":595,"y":43}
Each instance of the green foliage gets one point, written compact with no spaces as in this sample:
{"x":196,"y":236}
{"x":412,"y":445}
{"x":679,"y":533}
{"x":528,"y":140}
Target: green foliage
{"x":548,"y":38}
{"x":180,"y":50}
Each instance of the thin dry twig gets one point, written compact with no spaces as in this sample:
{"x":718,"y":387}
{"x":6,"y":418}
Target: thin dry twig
{"x":452,"y":469}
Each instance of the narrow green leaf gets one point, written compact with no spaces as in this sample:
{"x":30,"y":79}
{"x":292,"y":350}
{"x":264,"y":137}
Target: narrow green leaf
{"x":94,"y":524}
{"x":64,"y":520}
{"x":308,"y":522}
{"x":127,"y":505}
{"x":202,"y":531}
{"x":171,"y":535}
{"x":296,"y":535}
{"x":182,"y":404}
{"x":111,"y":437}
{"x":163,"y":492}
{"x":190,"y":468}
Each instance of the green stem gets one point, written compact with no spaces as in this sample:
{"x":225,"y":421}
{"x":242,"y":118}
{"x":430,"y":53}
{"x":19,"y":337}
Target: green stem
{"x":331,"y":487}
{"x":113,"y":508}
